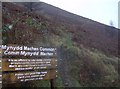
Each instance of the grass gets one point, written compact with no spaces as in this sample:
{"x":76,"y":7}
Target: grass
{"x":59,"y":83}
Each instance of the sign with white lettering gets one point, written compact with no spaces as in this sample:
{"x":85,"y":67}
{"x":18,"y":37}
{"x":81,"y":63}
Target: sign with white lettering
{"x":23,"y":63}
{"x":29,"y":76}
{"x":28,"y":64}
{"x":27,"y":51}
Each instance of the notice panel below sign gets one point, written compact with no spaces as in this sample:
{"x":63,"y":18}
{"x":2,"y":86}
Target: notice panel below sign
{"x":29,"y":76}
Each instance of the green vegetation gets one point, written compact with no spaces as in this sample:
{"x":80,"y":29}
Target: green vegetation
{"x":59,"y":83}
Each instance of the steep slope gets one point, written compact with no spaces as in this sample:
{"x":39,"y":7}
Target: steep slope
{"x":91,"y":34}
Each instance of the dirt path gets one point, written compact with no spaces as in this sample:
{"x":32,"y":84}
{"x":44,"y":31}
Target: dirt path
{"x":63,"y":69}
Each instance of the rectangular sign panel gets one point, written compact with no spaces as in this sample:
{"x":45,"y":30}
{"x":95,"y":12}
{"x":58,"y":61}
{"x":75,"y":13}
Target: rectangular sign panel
{"x":14,"y":50}
{"x":24,"y":63}
{"x":29,"y":76}
{"x":28,"y":64}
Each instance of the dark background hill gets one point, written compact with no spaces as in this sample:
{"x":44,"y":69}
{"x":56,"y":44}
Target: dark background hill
{"x":89,"y":33}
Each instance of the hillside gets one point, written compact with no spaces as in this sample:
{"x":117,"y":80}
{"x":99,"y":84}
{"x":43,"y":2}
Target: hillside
{"x":87,"y":50}
{"x":99,"y":36}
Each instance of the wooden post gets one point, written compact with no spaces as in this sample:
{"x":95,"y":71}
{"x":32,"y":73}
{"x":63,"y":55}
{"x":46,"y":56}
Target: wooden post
{"x":52,"y":84}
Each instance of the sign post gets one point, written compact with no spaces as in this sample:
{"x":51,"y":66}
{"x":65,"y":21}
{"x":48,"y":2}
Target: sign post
{"x":52,"y":84}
